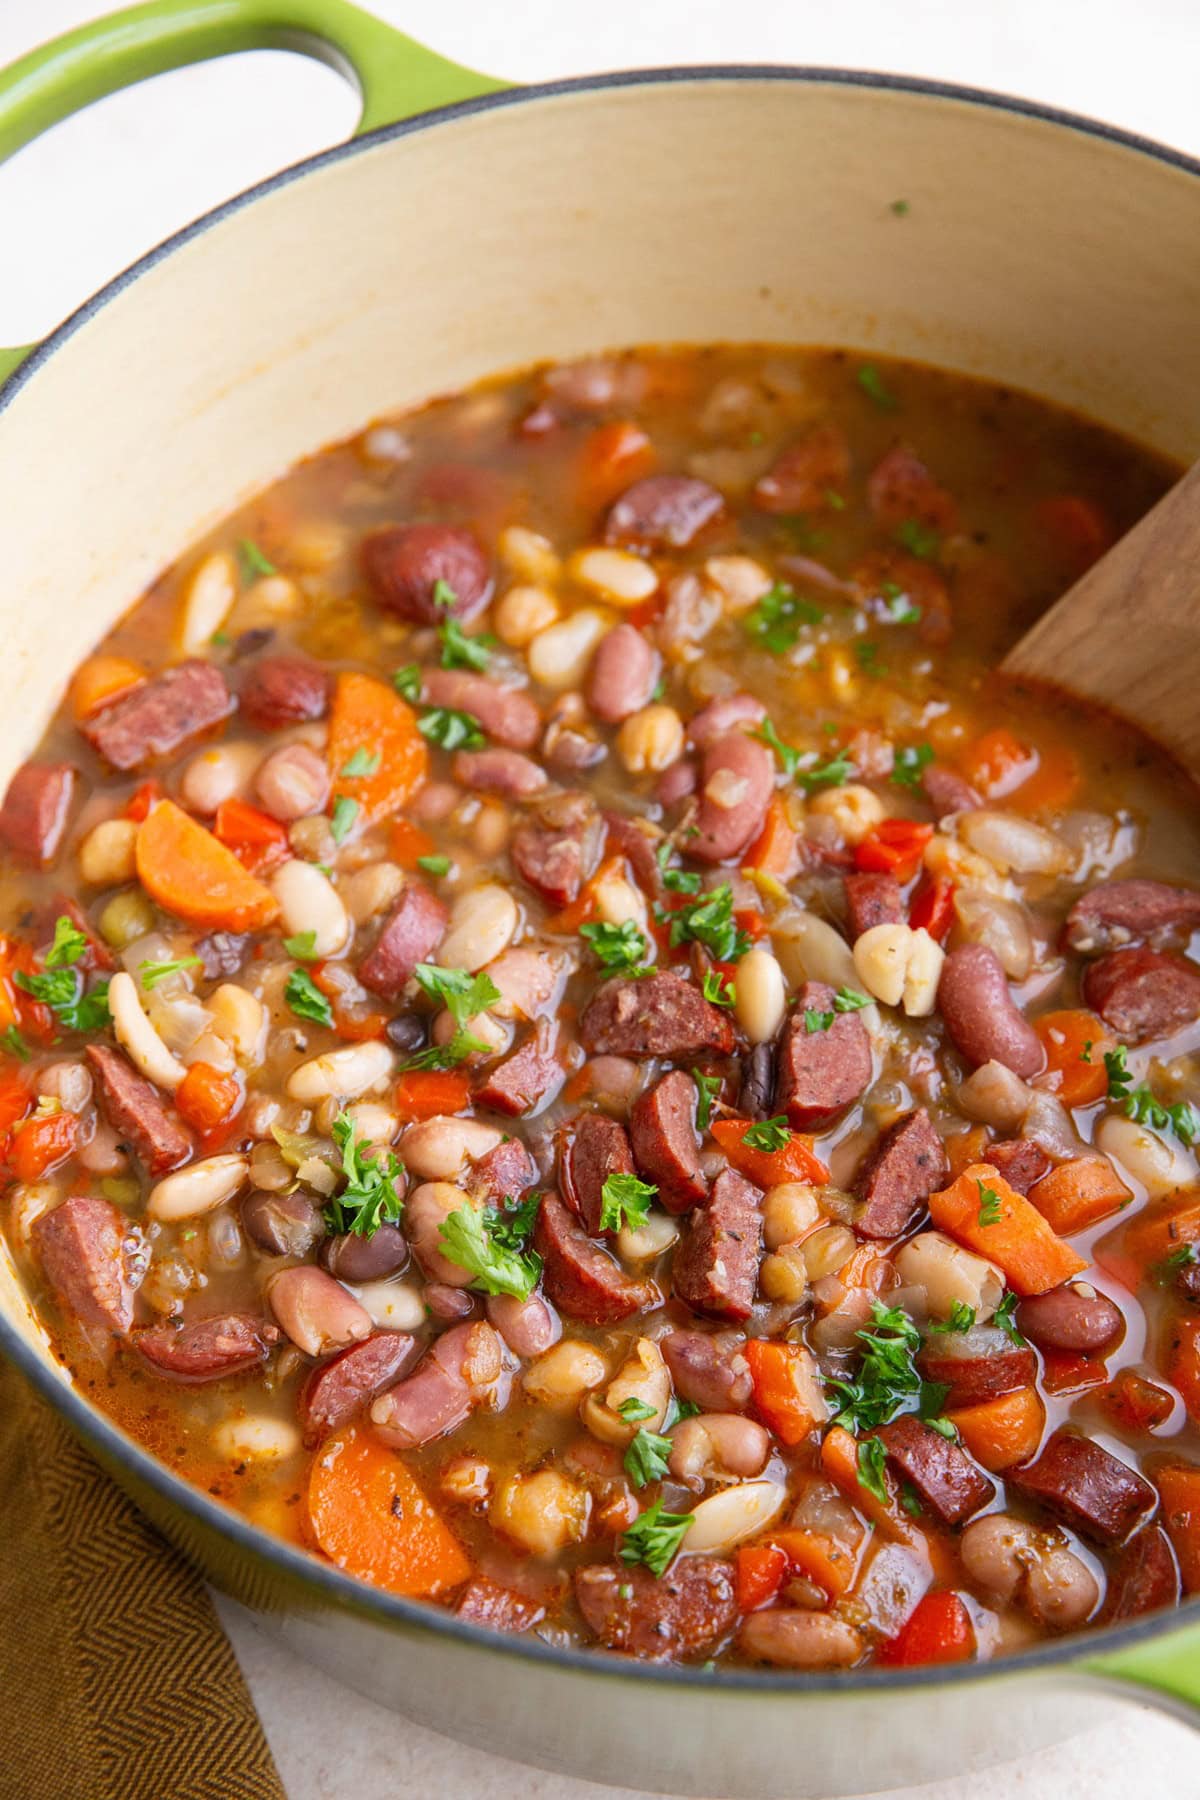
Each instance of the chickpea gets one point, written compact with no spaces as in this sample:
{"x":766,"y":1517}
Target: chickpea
{"x":543,"y":1512}
{"x":651,"y":740}
{"x":788,"y":1210}
{"x":370,"y":891}
{"x":825,"y":1251}
{"x":855,"y":810}
{"x":521,"y":613}
{"x":784,"y":1274}
{"x":529,"y":554}
{"x":106,"y":855}
{"x":643,"y":1377}
{"x":467,"y":1480}
{"x":564,"y":1374}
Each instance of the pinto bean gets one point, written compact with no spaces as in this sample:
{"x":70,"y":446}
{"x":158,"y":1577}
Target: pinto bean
{"x":36,"y":807}
{"x":426,"y":1211}
{"x":709,"y":1369}
{"x":292,"y":783}
{"x":283,"y":690}
{"x":737,"y":780}
{"x":793,"y":1639}
{"x":337,"y":1389}
{"x":206,"y":1349}
{"x":663,"y":512}
{"x":717,"y":1444}
{"x":457,"y":1374}
{"x":1143,"y":994}
{"x":1015,"y":1562}
{"x":281,"y":1224}
{"x":528,"y":1327}
{"x":449,"y":1303}
{"x":1117,"y":913}
{"x":500,"y":772}
{"x":355,"y":1259}
{"x":509,"y":717}
{"x":404,"y":565}
{"x":316,"y":1311}
{"x":622,"y":675}
{"x":727,"y":713}
{"x":1073,"y":1317}
{"x":665,"y":1144}
{"x":980,"y":1016}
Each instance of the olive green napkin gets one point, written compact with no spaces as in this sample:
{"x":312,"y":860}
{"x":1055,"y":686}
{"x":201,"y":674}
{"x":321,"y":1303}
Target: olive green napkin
{"x":116,"y":1680}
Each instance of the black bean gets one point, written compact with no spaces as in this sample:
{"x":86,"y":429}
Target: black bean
{"x":354,"y":1258}
{"x":758,"y":1082}
{"x":281,"y":1224}
{"x":407,"y":1031}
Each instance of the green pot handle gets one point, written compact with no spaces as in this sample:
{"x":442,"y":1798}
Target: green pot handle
{"x":395,"y":76}
{"x":1164,"y":1671}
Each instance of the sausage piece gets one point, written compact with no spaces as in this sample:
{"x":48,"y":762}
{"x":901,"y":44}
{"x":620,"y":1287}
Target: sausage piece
{"x":36,"y":807}
{"x":206,"y":1349}
{"x":905,"y":1166}
{"x":557,"y":849}
{"x":580,"y":1278}
{"x":458,"y":1373}
{"x":900,"y":487}
{"x":979,"y":1014}
{"x":663,"y":512}
{"x":136,"y":1113}
{"x":335,"y":1390}
{"x":1143,"y":1578}
{"x":507,"y":715}
{"x":1020,"y":1161}
{"x":1143,"y":994}
{"x":658,"y":1619}
{"x":484,"y":1602}
{"x":873,"y":900}
{"x":948,"y":1482}
{"x":947,"y":791}
{"x":599,"y":1148}
{"x":411,"y":933}
{"x":404,"y":565}
{"x":736,"y":783}
{"x":523,"y":1082}
{"x":1120,"y":912}
{"x":504,"y":1173}
{"x":159,"y":716}
{"x":800,"y":478}
{"x":623,"y":673}
{"x":715,"y":1268}
{"x":1085,"y":1486}
{"x":820,"y":1073}
{"x":1067,"y":1319}
{"x":662,"y":1015}
{"x":83,"y":1247}
{"x":977,"y":1364}
{"x":666,"y":1146}
{"x":283,"y":690}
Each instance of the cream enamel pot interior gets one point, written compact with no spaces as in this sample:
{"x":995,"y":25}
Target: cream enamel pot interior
{"x":681,"y":205}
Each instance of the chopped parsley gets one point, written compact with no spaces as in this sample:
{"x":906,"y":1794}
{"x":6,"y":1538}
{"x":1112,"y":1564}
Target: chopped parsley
{"x":768,"y":1134}
{"x":789,"y":756}
{"x":653,"y":1538}
{"x":345,"y":811}
{"x":908,"y":763}
{"x":363,"y":762}
{"x":1120,"y":1077}
{"x":872,"y":1458}
{"x":434,"y":865}
{"x":1004,"y":1317}
{"x":476,"y":1241}
{"x":717,"y":990}
{"x":1085,"y":1055}
{"x":463,"y":996}
{"x":369,"y":1198}
{"x":512,"y":1226}
{"x":460,"y":651}
{"x":407,"y":682}
{"x":1185,"y":1256}
{"x":899,"y":207}
{"x":306,"y":999}
{"x":62,"y":991}
{"x":253,"y":561}
{"x":775,"y":621}
{"x":887,"y":1375}
{"x":944,"y":1427}
{"x":919,"y":540}
{"x":15,"y":1044}
{"x":70,"y":944}
{"x":898,"y":609}
{"x":1140,"y":1104}
{"x":962,"y":1317}
{"x":708,"y":920}
{"x":621,"y":948}
{"x":624,"y":1200}
{"x":707,"y":1089}
{"x":646,"y":1458}
{"x":451,"y":730}
{"x":846,"y":1000}
{"x":635,"y":1410}
{"x":910,"y":1500}
{"x":814,"y":774}
{"x":989,"y":1205}
{"x":676,"y":880}
{"x":866,"y":654}
{"x":303,"y":946}
{"x":875,"y":388}
{"x":152,"y":973}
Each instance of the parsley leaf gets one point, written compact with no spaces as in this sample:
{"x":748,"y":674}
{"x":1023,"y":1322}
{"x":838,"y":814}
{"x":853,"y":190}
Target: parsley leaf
{"x":451,"y":730}
{"x":919,"y":540}
{"x":910,"y":1500}
{"x":462,"y":652}
{"x":1182,"y":1119}
{"x":816,"y":1021}
{"x":620,"y":947}
{"x":646,"y":1458}
{"x":989,"y":1205}
{"x":887,"y":1375}
{"x":253,"y":561}
{"x":1119,"y":1076}
{"x":62,"y":991}
{"x":707,"y":1089}
{"x":775,"y":621}
{"x":636,"y":1410}
{"x":944,"y":1427}
{"x":153,"y":972}
{"x":708,"y":920}
{"x":866,"y":654}
{"x":962,"y":1317}
{"x":872,"y":1459}
{"x":1182,"y":1257}
{"x":407,"y":682}
{"x":306,"y":999}
{"x":363,"y":762}
{"x":654,"y":1537}
{"x":717,"y":990}
{"x":1004,"y":1317}
{"x":463,"y":996}
{"x":369,"y":1198}
{"x":874,"y":387}
{"x":303,"y":946}
{"x":434,"y":865}
{"x":345,"y":811}
{"x":69,"y":944}
{"x":512,"y":1226}
{"x":789,"y":756}
{"x":470,"y":1239}
{"x":908,"y":763}
{"x":768,"y":1134}
{"x":834,"y":773}
{"x":676,"y":880}
{"x":624,"y":1200}
{"x":846,"y":1000}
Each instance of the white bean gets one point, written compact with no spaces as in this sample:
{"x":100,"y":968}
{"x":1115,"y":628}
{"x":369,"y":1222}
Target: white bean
{"x":374,"y":1125}
{"x":135,"y":1032}
{"x":1002,"y":926}
{"x":995,"y":1096}
{"x":483,"y":922}
{"x":254,"y":1437}
{"x":949,"y":1275}
{"x":208,"y":596}
{"x":198,"y":1188}
{"x":368,"y":892}
{"x":558,"y":656}
{"x":68,"y":1082}
{"x":309,"y":901}
{"x":562,"y":1376}
{"x":618,"y":902}
{"x":1158,"y":1164}
{"x":809,"y":949}
{"x":616,"y":575}
{"x":789,"y":1210}
{"x":435,"y":1149}
{"x":240,"y":1018}
{"x":216,"y":775}
{"x":644,"y":1377}
{"x":897,"y":964}
{"x":346,"y":1073}
{"x":761,"y":991}
{"x":648,"y":1240}
{"x":727,"y":1519}
{"x":1013,"y":843}
{"x":393,"y":1305}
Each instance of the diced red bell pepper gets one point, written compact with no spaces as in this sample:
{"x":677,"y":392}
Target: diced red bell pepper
{"x":760,"y":1570}
{"x":39,"y":1145}
{"x":895,"y":847}
{"x":206,"y":1096}
{"x":932,"y":906}
{"x":258,"y":841}
{"x":938,"y":1630}
{"x":142,"y":799}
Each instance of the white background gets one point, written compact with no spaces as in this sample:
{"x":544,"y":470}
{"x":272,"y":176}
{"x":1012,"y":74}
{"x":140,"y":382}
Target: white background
{"x":98,"y":191}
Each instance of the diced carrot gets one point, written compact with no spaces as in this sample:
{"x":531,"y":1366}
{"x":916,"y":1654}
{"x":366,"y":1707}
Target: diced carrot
{"x":966,"y":1147}
{"x":1180,"y":1490}
{"x":370,"y":1517}
{"x":786,"y":1394}
{"x":582,"y":910}
{"x":1066,"y":1372}
{"x":753,"y":923}
{"x":1003,"y":1432}
{"x":15,"y":1098}
{"x":370,"y":717}
{"x":259,"y":842}
{"x":424,"y":1093}
{"x":99,"y":680}
{"x":1135,"y":1403}
{"x":193,"y":875}
{"x":1078,"y":529}
{"x":1075,"y":1041}
{"x":998,"y":762}
{"x":146,"y":795}
{"x":795,"y":1161}
{"x":1181,"y":1365}
{"x":407,"y":842}
{"x":938,"y":1630}
{"x":613,"y":457}
{"x":775,"y":850}
{"x":206,"y":1096}
{"x":1053,"y":785}
{"x":820,"y":1559}
{"x":1079,"y":1193}
{"x":1018,"y":1239}
{"x":39,"y":1145}
{"x":759,"y":1571}
{"x":894,"y":847}
{"x":932,"y":907}
{"x":839,"y":1460}
{"x":1153,"y":1236}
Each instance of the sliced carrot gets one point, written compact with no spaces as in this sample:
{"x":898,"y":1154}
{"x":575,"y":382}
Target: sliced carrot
{"x":583,"y":910}
{"x":191,"y":874}
{"x":865,"y":1268}
{"x":795,"y":1161}
{"x":1135,"y":1403}
{"x":786,"y":1395}
{"x":259,"y":842}
{"x":1152,"y":1237}
{"x":39,"y":1145}
{"x":425,"y":1093}
{"x":206,"y":1096}
{"x":759,"y":1571}
{"x":1182,"y":1361}
{"x":407,"y":842}
{"x":775,"y":851}
{"x":839,"y":1460}
{"x":1078,"y":529}
{"x":1053,"y":785}
{"x":99,"y":680}
{"x":1003,"y":1432}
{"x":820,"y":1559}
{"x":371,"y":718}
{"x":998,"y":762}
{"x":370,"y":1517}
{"x":938,"y":1630}
{"x":1180,"y":1491}
{"x":613,"y":457}
{"x":1018,"y":1239}
{"x":1075,"y":1041}
{"x":1079,"y":1193}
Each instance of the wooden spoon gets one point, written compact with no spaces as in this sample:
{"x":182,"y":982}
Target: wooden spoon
{"x":1127,"y":635}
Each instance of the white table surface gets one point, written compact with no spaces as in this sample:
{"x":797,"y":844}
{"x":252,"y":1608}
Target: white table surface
{"x":99,"y":190}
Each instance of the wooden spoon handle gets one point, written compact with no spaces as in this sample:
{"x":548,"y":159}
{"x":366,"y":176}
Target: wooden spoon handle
{"x":1128,"y":633}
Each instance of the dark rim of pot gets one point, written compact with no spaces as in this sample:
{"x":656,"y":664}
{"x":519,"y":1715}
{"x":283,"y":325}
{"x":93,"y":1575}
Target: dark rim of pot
{"x":298,"y":1565}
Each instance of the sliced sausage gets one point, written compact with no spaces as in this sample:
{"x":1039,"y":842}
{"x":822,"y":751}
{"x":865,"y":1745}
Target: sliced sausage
{"x":1074,"y":1318}
{"x":404,"y":564}
{"x":878,"y":576}
{"x":1085,"y":1486}
{"x":597,"y":1148}
{"x":484,"y":1602}
{"x":523,"y":1082}
{"x":159,"y":716}
{"x":136,"y":1112}
{"x":663,"y":512}
{"x":411,"y":933}
{"x":947,"y":791}
{"x":504,"y":1173}
{"x":977,"y":1364}
{"x":905,"y":1166}
{"x":556,"y":850}
{"x":457,"y":1374}
{"x":1020,"y":1161}
{"x":709,"y":1369}
{"x":86,"y":1258}
{"x":873,"y":900}
{"x":623,"y":674}
{"x":639,"y":843}
{"x":1143,"y":994}
{"x":1143,"y":1578}
{"x":737,"y":780}
{"x":206,"y":1349}
{"x":507,"y":715}
{"x":36,"y":807}
{"x":820,"y":1073}
{"x":729,"y":712}
{"x":948,"y":1482}
{"x":580,"y":1278}
{"x":337,"y":1389}
{"x":900,"y":488}
{"x":979,"y":1014}
{"x":283,"y":690}
{"x":715,"y":1268}
{"x":666,"y":1145}
{"x":659,"y":1619}
{"x":1121,"y":912}
{"x":662,"y":1015}
{"x":800,"y":478}
{"x":500,"y":772}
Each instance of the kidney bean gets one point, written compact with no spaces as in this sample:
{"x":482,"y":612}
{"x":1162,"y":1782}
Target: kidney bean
{"x":499,"y":772}
{"x":663,"y":512}
{"x":509,"y":717}
{"x":281,"y":1224}
{"x":527,"y":1326}
{"x":403,"y":565}
{"x":353,"y":1258}
{"x":292,"y":783}
{"x":316,"y":1311}
{"x":709,"y":1368}
{"x":794,"y":1639}
{"x":676,"y":782}
{"x":736,"y":783}
{"x":728,"y":712}
{"x":456,"y":1374}
{"x":36,"y":808}
{"x":980,"y":1016}
{"x":1073,"y":1317}
{"x":449,"y":1303}
{"x":621,"y":678}
{"x":800,"y":478}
